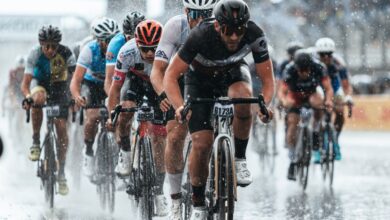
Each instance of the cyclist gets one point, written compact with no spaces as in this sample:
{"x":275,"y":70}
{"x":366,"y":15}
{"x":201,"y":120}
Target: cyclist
{"x":342,"y":89}
{"x":129,"y":23}
{"x":174,"y":35}
{"x":89,"y":75}
{"x":301,"y":82}
{"x":214,"y":51}
{"x":15,"y":80}
{"x":48,"y":70}
{"x":134,"y":63}
{"x":292,"y":47}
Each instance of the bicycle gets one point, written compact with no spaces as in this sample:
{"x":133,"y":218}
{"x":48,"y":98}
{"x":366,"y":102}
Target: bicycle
{"x":304,"y":145}
{"x":265,"y":148}
{"x":142,"y":179}
{"x":186,"y":185}
{"x":328,"y":142}
{"x":48,"y":165}
{"x":105,"y":159}
{"x":221,"y":186}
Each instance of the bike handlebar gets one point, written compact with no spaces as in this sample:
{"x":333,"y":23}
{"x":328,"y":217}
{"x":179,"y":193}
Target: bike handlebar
{"x":118,"y":109}
{"x":223,"y":100}
{"x":70,"y":104}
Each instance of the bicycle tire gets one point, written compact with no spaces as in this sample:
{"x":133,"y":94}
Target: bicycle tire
{"x":304,"y":164}
{"x":187,"y":189}
{"x":50,"y":164}
{"x":147,"y":205}
{"x":112,"y":160}
{"x":100,"y":164}
{"x":225,"y":182}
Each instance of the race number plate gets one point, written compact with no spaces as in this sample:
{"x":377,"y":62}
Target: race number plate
{"x":223,"y":110}
{"x":53,"y":111}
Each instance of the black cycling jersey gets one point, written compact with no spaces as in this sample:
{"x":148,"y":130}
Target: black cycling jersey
{"x":282,"y":67}
{"x":296,"y":84}
{"x":207,"y":53}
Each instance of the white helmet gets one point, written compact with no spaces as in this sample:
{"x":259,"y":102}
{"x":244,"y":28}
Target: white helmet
{"x":104,"y":28}
{"x":20,"y":61}
{"x":199,"y":4}
{"x":325,"y":45}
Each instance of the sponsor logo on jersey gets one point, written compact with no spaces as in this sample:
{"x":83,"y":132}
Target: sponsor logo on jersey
{"x":161,"y":54}
{"x":109,"y":56}
{"x":117,"y":78}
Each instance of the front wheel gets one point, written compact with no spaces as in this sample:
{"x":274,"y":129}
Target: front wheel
{"x":226,"y":184}
{"x":304,"y":164}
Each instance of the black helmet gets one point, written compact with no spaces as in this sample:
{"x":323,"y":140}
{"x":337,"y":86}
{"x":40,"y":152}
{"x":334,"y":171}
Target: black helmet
{"x":50,"y":33}
{"x":302,"y":59}
{"x":293,"y":46}
{"x":131,"y":21}
{"x":224,"y":9}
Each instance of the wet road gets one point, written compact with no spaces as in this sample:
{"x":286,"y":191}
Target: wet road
{"x":361,"y":189}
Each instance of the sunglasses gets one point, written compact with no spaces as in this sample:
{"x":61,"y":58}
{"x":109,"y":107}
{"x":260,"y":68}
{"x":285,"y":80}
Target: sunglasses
{"x":195,"y":14}
{"x":105,"y":40}
{"x":229,"y":30}
{"x":323,"y":54}
{"x":47,"y":46}
{"x":146,"y":49}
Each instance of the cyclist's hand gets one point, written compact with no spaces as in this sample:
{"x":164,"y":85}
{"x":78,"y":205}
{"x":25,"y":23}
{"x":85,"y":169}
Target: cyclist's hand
{"x":263,"y":118}
{"x":109,"y":125}
{"x":329,"y":105}
{"x":165,"y":105}
{"x":80,"y":101}
{"x":27,"y":102}
{"x":178,"y":115}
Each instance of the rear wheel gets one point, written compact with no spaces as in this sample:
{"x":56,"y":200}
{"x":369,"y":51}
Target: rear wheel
{"x":225,"y":182}
{"x":50,"y":165}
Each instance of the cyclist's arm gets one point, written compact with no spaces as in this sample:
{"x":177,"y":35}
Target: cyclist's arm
{"x":265,"y":72}
{"x":108,"y":80}
{"x":326,"y":84}
{"x":26,"y":84}
{"x":171,"y":84}
{"x":115,"y":89}
{"x":157,"y":75}
{"x":77,"y":78}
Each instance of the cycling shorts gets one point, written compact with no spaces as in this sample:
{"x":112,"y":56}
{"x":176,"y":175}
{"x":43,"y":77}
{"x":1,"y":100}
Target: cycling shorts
{"x":135,"y":88}
{"x":56,"y":94}
{"x":198,"y":85}
{"x":93,"y":92}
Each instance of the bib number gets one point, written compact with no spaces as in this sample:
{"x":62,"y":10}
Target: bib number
{"x":223,"y":110}
{"x":53,"y":111}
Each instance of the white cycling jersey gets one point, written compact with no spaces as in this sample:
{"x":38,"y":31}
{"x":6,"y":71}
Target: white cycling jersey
{"x":175,"y":33}
{"x":129,"y":60}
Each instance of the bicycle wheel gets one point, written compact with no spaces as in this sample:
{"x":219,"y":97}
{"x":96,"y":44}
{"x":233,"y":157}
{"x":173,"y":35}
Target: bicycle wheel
{"x":225,"y":181}
{"x":147,"y":177}
{"x":187,"y":190}
{"x":325,"y":153}
{"x":112,"y":152}
{"x":303,"y":165}
{"x":101,"y":165}
{"x":49,"y":169}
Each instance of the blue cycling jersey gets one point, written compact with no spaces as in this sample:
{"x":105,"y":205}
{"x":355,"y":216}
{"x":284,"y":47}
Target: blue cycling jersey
{"x":92,"y":58}
{"x":337,"y":73}
{"x":113,"y":48}
{"x":55,"y":69}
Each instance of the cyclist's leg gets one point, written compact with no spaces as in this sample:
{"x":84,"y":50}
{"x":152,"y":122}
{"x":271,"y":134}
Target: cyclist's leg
{"x":201,"y":132}
{"x":61,"y":129}
{"x":239,"y":83}
{"x":131,"y":93}
{"x":291,"y":140}
{"x":316,"y":101}
{"x":339,"y":110}
{"x":94,"y":94}
{"x":38,"y":93}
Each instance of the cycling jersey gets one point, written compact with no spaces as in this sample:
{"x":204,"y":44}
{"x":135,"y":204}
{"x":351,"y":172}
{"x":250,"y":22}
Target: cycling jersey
{"x":337,"y":72}
{"x":80,"y":44}
{"x":92,"y":58}
{"x":304,"y":86}
{"x":131,"y":67}
{"x":51,"y":70}
{"x":175,"y":33}
{"x":207,"y":53}
{"x":113,"y":48}
{"x":129,"y":60}
{"x":282,"y":67}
